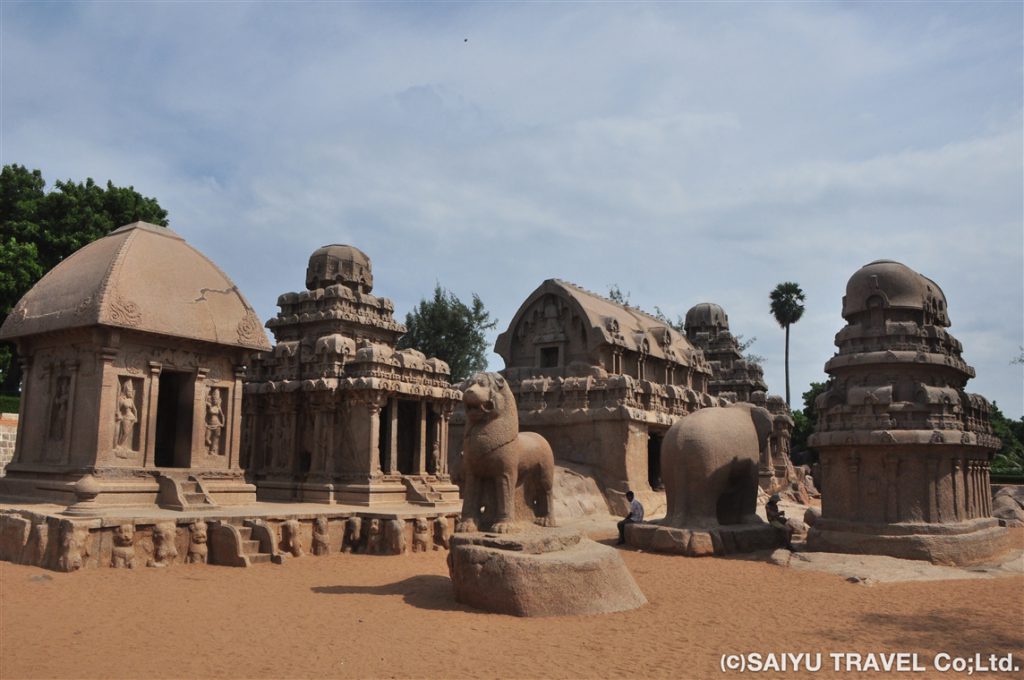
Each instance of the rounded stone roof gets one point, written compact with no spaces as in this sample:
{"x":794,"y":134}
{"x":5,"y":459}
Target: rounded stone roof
{"x":705,"y":315}
{"x":338,"y":263}
{"x":144,"y":278}
{"x":897,"y":286}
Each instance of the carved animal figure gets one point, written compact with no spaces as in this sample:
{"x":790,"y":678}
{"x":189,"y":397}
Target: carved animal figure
{"x":74,"y":546}
{"x":321,"y":536}
{"x":290,"y":537}
{"x":197,"y":548}
{"x":498,"y":458}
{"x":442,"y":533}
{"x":353,"y":534}
{"x":374,"y":538}
{"x":396,"y":537}
{"x":709,"y":463}
{"x":164,"y":549}
{"x":420,"y":535}
{"x":123,"y":552}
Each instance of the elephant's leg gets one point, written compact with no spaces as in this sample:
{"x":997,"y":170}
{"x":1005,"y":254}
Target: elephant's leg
{"x":701,"y":501}
{"x":504,"y":522}
{"x":470,"y":505}
{"x":748,"y":498}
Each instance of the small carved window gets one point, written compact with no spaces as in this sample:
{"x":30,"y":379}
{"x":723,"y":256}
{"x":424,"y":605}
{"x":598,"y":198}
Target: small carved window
{"x":549,"y":357}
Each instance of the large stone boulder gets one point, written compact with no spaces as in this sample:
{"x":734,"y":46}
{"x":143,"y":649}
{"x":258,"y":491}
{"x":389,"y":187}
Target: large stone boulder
{"x":1008,"y":505}
{"x":552,"y":572}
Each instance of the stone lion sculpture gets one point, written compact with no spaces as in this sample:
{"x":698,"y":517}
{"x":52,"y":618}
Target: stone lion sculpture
{"x":497,"y":459}
{"x":709,"y":462}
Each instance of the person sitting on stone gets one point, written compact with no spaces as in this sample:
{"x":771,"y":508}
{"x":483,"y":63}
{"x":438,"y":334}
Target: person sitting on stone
{"x":777,"y":518}
{"x":636,"y":514}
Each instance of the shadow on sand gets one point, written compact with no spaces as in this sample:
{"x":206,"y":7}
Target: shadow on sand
{"x":426,"y":591}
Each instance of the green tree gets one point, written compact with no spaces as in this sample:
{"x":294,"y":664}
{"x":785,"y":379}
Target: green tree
{"x":38,"y":229}
{"x":805,"y":419}
{"x":448,"y":329}
{"x":787,"y":308}
{"x":1010,"y":458}
{"x":616,"y":295}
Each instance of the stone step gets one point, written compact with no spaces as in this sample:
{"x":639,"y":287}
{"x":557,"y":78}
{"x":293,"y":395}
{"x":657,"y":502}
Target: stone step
{"x":259,"y":558}
{"x":245,"y":532}
{"x":195,"y":498}
{"x":250,"y":547}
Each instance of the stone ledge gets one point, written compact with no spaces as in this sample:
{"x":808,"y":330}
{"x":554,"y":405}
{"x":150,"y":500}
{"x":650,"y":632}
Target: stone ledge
{"x":705,"y":542}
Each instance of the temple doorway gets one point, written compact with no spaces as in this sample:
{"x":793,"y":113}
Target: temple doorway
{"x":173,"y":446}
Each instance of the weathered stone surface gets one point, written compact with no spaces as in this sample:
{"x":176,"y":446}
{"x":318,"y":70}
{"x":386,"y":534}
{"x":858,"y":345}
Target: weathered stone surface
{"x":811,"y":516}
{"x":696,"y":542}
{"x":904,"y":449}
{"x":1008,"y":505}
{"x":549,"y":573}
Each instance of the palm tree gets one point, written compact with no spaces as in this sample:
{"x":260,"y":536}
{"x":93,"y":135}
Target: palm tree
{"x":787,"y":308}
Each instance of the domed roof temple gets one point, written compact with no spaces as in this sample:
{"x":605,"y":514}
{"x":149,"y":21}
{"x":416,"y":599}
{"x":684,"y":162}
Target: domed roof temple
{"x":133,"y":350}
{"x":905,"y":450}
{"x":335,"y":413}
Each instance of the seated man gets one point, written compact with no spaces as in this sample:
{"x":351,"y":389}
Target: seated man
{"x":636,"y":514}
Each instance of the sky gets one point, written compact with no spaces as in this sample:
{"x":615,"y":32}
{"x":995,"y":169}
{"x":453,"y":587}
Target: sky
{"x":686,"y":152}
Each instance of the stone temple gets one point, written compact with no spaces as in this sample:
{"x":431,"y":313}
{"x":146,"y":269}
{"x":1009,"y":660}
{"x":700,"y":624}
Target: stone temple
{"x":905,"y":450}
{"x":602,"y":382}
{"x":133,"y":350}
{"x":335,"y":414}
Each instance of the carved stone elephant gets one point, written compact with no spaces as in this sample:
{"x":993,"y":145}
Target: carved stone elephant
{"x":709,"y":465}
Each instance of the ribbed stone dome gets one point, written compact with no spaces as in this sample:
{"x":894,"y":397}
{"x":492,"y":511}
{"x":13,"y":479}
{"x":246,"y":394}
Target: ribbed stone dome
{"x":893,"y":285}
{"x":144,"y":278}
{"x":338,"y":263}
{"x":706,"y":315}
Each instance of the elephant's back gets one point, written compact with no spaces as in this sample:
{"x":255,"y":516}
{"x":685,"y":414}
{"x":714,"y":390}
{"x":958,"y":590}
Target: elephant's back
{"x":713,"y":432}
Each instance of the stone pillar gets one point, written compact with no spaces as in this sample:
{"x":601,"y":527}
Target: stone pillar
{"x":421,"y":453}
{"x":233,"y":428}
{"x":374,"y":403}
{"x":26,"y":381}
{"x":69,"y":415}
{"x":109,"y":392}
{"x":199,"y":393}
{"x":152,"y":400}
{"x":892,"y":490}
{"x":958,"y":495}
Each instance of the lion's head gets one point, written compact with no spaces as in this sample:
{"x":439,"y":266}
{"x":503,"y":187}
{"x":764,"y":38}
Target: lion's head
{"x":486,"y":396}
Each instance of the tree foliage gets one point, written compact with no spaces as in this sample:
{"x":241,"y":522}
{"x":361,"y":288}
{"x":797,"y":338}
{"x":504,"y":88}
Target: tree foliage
{"x":805,"y":419}
{"x":787,"y":308}
{"x":1010,"y":458}
{"x":39,"y":228}
{"x":448,"y":329}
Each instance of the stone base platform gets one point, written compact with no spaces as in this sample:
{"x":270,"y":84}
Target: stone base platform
{"x":961,"y":544}
{"x":719,"y":541}
{"x":540,"y":572}
{"x":51,"y":537}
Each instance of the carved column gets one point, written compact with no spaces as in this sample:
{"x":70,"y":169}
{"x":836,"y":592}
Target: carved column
{"x":933,"y":492}
{"x":152,"y":400}
{"x":234,"y":425}
{"x":855,"y":505}
{"x":421,"y":450}
{"x":69,"y":415}
{"x":968,"y":495}
{"x":892,"y":496}
{"x":109,"y":392}
{"x":958,"y":495}
{"x":447,"y":408}
{"x":198,"y":420}
{"x":374,"y":403}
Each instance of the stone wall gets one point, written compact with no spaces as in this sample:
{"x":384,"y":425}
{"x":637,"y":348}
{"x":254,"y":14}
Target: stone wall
{"x":8,"y":435}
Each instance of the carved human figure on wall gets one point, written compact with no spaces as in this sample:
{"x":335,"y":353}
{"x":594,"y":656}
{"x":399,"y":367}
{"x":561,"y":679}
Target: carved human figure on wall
{"x":214,"y":420}
{"x":127,"y":416}
{"x":59,"y":410}
{"x":198,"y":550}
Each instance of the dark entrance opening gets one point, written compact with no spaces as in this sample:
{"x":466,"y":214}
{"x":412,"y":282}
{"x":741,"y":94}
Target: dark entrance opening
{"x":432,"y":441}
{"x":408,"y":436}
{"x":654,"y":462}
{"x":174,"y":420}
{"x":548,"y":357}
{"x":384,"y":439}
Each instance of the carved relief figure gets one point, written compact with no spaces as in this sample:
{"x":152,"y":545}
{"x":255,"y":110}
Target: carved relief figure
{"x":290,"y":537}
{"x":197,"y":548}
{"x":442,"y":533}
{"x":497,"y":455}
{"x":421,"y":535}
{"x":396,"y":544}
{"x":374,"y":539}
{"x":123,"y":553}
{"x":59,"y":409}
{"x":321,"y":536}
{"x":214,"y":420}
{"x":74,"y":546}
{"x":353,"y":534}
{"x":126,"y":416}
{"x":164,"y":549}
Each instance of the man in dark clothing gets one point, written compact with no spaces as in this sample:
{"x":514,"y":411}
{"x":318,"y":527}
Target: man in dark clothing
{"x":636,"y":514}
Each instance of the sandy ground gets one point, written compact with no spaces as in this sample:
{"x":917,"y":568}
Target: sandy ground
{"x":356,"y":616}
